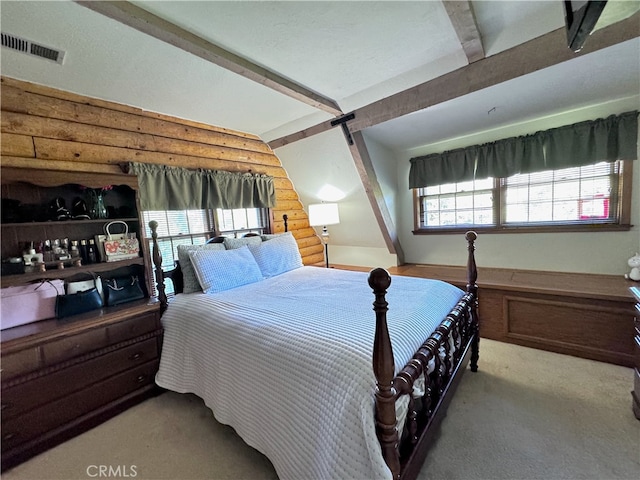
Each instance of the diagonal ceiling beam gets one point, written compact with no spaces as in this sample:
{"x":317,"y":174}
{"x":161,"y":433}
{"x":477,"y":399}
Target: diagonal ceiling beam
{"x":372,"y":188}
{"x":464,"y":23}
{"x":143,"y":21}
{"x":537,"y":54}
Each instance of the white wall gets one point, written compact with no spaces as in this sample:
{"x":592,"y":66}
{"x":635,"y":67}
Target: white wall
{"x":385,"y":165}
{"x":600,"y":252}
{"x":325,"y":160}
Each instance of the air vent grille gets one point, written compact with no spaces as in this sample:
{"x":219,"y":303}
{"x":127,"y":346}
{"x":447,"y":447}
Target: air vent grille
{"x":44,"y":52}
{"x":31,"y":48}
{"x":15,"y":43}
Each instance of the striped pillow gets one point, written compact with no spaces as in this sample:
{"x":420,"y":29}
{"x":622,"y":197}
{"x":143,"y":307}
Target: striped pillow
{"x":231,"y":243}
{"x":188,"y":273}
{"x":277,"y":255}
{"x":219,"y":270}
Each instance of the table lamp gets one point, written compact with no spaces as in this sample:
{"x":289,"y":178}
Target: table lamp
{"x":323,"y":214}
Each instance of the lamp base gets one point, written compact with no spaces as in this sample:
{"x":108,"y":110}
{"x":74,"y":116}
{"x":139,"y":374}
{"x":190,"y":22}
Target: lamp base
{"x":326,"y":254}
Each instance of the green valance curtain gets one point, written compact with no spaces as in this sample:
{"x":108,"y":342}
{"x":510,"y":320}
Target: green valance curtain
{"x":584,"y":143}
{"x":172,"y":188}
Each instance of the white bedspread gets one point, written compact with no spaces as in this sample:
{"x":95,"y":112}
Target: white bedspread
{"x":287,"y":363}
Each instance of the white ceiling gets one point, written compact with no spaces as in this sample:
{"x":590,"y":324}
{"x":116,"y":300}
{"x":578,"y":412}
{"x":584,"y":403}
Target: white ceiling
{"x":352,"y":52}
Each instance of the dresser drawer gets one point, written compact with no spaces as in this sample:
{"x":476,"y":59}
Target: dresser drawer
{"x":26,"y":396}
{"x":28,"y":426}
{"x":69,"y":347}
{"x":19,"y":363}
{"x":133,"y":327}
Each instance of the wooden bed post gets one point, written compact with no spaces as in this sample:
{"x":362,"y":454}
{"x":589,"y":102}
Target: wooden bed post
{"x":472,"y":276}
{"x":384,"y":370}
{"x":157,"y":262}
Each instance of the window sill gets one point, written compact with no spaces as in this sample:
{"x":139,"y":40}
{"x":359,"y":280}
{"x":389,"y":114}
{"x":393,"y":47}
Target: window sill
{"x":526,"y":229}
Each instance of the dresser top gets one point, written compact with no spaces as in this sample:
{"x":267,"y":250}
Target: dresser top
{"x":25,"y":335}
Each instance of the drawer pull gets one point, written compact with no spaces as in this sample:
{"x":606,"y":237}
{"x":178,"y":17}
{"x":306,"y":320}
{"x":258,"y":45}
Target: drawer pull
{"x":141,"y":378}
{"x":8,"y":436}
{"x":136,"y":356}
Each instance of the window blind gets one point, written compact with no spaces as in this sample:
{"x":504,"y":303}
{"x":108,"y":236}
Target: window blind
{"x":570,"y":195}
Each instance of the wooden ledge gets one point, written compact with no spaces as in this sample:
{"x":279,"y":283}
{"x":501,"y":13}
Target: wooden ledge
{"x":15,"y":338}
{"x":582,"y":285}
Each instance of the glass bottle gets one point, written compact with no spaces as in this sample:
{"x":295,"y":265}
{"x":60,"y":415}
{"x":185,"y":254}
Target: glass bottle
{"x":91,"y":252}
{"x":74,"y":251}
{"x":95,"y":203}
{"x":47,"y":252}
{"x":83,"y":251}
{"x":101,"y":209}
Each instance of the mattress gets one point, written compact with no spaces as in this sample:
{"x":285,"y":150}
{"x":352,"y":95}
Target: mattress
{"x":287,"y":363}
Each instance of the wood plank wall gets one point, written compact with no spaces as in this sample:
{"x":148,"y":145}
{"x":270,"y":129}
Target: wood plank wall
{"x":51,"y":129}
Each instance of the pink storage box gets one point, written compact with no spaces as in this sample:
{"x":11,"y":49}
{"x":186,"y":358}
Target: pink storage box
{"x":28,"y":303}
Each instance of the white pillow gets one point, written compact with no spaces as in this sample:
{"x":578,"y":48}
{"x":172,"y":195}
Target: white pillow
{"x":231,"y":243}
{"x":189,"y":278}
{"x":277,"y":255}
{"x":219,"y":270}
{"x":270,"y":236}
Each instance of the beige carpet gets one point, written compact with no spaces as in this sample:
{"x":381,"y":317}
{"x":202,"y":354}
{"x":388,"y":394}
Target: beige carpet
{"x":526,"y":414}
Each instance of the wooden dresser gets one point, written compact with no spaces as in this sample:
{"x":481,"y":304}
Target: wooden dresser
{"x":635,"y":394}
{"x":62,"y":377}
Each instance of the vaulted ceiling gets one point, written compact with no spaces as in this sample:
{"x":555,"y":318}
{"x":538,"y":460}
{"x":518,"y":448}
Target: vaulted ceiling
{"x":412,"y":72}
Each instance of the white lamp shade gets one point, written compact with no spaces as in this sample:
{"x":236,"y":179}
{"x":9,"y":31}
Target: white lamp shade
{"x":321,"y":214}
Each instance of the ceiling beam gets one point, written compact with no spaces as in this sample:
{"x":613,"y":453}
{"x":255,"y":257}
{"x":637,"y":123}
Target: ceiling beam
{"x":464,"y":23}
{"x":537,"y":54}
{"x":146,"y":22}
{"x":542,"y":52}
{"x":372,"y":188}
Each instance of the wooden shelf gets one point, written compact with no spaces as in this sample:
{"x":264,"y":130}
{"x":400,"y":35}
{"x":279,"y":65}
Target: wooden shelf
{"x":68,"y":222}
{"x":23,"y":278}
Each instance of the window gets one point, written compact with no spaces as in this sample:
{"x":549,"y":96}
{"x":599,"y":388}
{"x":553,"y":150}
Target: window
{"x":195,"y":227}
{"x":240,"y":221}
{"x":593,"y":196}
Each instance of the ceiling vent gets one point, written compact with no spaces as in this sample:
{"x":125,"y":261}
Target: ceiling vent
{"x":31,"y":48}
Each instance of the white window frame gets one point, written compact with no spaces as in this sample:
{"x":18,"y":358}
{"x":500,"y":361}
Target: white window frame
{"x":620,"y":206}
{"x":210,"y":224}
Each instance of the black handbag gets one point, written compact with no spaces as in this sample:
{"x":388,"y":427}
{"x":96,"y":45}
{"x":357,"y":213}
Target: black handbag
{"x":119,"y":290}
{"x":80,"y":302}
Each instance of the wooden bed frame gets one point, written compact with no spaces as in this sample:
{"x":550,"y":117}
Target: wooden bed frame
{"x":442,"y":363}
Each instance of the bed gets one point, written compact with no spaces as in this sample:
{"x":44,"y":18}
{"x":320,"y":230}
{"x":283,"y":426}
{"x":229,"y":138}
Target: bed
{"x":298,"y":364}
